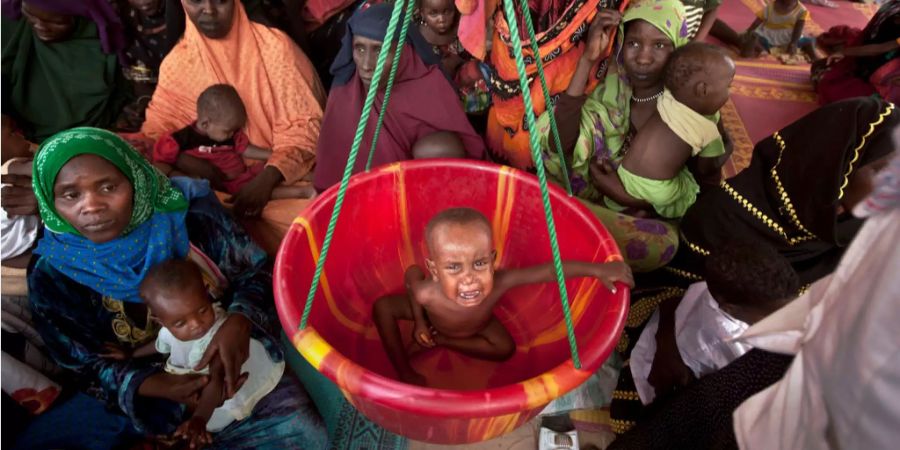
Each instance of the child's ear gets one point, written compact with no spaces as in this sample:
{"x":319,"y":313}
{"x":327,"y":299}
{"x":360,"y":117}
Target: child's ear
{"x":494,"y":261}
{"x":203,"y":123}
{"x":432,"y":267}
{"x":701,"y":88}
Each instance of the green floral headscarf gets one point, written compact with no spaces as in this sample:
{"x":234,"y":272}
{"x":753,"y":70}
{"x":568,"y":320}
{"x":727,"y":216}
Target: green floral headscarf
{"x":152,"y":190}
{"x":606,"y":113}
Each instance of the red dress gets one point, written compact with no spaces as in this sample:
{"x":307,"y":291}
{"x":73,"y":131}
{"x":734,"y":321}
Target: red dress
{"x":224,"y":155}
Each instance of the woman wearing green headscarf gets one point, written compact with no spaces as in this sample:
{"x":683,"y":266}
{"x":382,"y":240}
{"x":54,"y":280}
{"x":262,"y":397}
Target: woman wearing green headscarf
{"x":596,"y":127}
{"x":110,"y":217}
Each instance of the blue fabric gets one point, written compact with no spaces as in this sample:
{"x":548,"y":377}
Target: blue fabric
{"x":372,"y":23}
{"x":75,"y":321}
{"x":116,"y":268}
{"x":67,"y":423}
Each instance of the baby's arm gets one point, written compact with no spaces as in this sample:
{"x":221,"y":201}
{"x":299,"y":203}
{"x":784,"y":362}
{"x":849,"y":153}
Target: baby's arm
{"x":795,"y":37}
{"x":608,"y":183}
{"x":254,"y":152}
{"x":753,"y":26}
{"x":607,"y":273}
{"x":211,"y":397}
{"x":415,"y":279}
{"x":119,"y":353}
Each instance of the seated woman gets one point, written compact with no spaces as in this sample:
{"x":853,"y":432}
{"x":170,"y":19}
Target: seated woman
{"x":422,"y":100}
{"x":594,"y":128}
{"x":282,"y":95}
{"x":146,"y":45}
{"x":800,"y":209}
{"x":110,"y":216}
{"x":59,"y":64}
{"x":864,"y":62}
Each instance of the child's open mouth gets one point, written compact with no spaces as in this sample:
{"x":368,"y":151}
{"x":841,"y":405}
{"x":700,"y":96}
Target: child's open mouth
{"x":470,"y":298}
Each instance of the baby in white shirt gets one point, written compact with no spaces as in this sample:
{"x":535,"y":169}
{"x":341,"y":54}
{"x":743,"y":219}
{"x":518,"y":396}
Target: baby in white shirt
{"x":745,"y":282}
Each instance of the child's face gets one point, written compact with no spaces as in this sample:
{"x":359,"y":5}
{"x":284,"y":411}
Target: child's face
{"x":186,"y":313}
{"x":146,"y":7}
{"x":463,"y":262}
{"x":439,"y":15}
{"x":221,"y":129}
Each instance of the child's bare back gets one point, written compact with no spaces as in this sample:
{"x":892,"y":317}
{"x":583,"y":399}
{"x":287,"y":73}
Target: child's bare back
{"x":656,"y":152}
{"x":452,"y":305}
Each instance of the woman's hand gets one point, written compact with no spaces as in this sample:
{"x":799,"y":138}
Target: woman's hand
{"x":668,"y":371}
{"x":184,"y":389}
{"x":18,"y":197}
{"x":232,"y":345}
{"x":833,"y":58}
{"x":253,"y":197}
{"x":600,"y":34}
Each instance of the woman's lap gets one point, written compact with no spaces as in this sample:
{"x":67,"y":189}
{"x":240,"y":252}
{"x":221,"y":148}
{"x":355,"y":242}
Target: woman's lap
{"x":81,"y":422}
{"x":284,"y":419}
{"x":646,"y":244}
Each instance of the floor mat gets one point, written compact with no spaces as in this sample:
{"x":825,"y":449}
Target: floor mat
{"x":767,"y":95}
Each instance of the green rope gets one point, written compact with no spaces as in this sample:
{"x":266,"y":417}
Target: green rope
{"x":542,"y":177}
{"x":539,"y":63}
{"x":390,"y":84}
{"x":351,"y":160}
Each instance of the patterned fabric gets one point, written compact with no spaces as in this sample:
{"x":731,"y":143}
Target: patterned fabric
{"x":694,"y":11}
{"x":646,"y":244}
{"x":700,"y":415}
{"x":470,"y":83}
{"x":152,"y":191}
{"x":74,"y":323}
{"x":225,"y":155}
{"x":780,"y":199}
{"x":559,"y":41}
{"x":605,"y":117}
{"x":147,"y":45}
{"x":279,"y":86}
{"x":155,"y":233}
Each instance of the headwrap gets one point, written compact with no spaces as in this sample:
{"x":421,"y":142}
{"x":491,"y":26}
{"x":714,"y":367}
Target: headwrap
{"x":372,"y":23}
{"x":155,"y":233}
{"x":112,"y":32}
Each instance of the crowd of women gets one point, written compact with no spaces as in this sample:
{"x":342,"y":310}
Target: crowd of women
{"x":95,"y":83}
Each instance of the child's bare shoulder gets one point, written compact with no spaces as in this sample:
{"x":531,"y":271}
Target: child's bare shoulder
{"x":425,"y":291}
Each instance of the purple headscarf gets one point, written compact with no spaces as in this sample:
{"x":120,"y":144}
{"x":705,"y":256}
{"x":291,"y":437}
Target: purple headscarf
{"x":109,"y":26}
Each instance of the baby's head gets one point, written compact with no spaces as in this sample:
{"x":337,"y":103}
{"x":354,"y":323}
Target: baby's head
{"x":439,"y":15}
{"x":699,"y":75}
{"x":440,"y":144}
{"x":175,"y":293}
{"x":220,"y":112}
{"x":750,"y":280}
{"x":461,"y":254}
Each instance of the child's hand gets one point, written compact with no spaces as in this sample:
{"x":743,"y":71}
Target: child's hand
{"x":194,"y":431}
{"x":422,"y":334}
{"x":833,"y":58}
{"x":600,"y":34}
{"x":611,"y":272}
{"x":115,"y":352}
